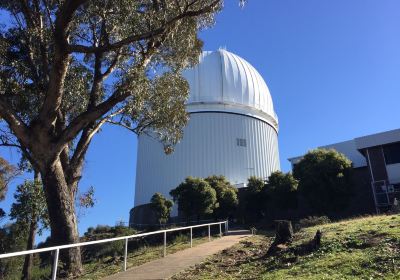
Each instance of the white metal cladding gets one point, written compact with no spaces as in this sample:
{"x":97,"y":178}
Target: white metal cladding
{"x":223,"y":81}
{"x":209,"y":147}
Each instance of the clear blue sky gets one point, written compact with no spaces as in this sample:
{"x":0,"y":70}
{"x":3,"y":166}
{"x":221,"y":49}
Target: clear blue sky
{"x":332,"y":66}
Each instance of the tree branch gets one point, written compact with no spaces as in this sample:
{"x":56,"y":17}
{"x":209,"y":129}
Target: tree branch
{"x":15,"y":123}
{"x":144,"y":36}
{"x":59,"y":68}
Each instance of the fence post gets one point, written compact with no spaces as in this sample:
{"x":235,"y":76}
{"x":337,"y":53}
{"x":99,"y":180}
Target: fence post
{"x":209,"y":233}
{"x":191,"y":237}
{"x":125,"y":253}
{"x":55,"y":263}
{"x":220,"y":230}
{"x":165,"y":243}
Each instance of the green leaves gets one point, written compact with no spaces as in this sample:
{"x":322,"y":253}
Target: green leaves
{"x":7,"y":173}
{"x":30,"y":205}
{"x":162,"y":207}
{"x":226,"y":196}
{"x":195,"y":197}
{"x":325,"y":180}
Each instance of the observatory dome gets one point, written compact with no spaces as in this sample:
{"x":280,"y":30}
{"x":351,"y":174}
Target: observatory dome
{"x":223,"y":81}
{"x":232,"y":131}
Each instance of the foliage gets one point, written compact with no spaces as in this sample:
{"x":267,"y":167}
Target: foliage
{"x":69,"y":67}
{"x":85,"y":201}
{"x":162,"y":207}
{"x":195,"y":197}
{"x":255,"y":185}
{"x":226,"y":196}
{"x":281,"y":190}
{"x":313,"y":221}
{"x":7,"y":173}
{"x":110,"y":249}
{"x":361,"y":248}
{"x":325,"y":180}
{"x":252,"y":202}
{"x":30,"y":206}
{"x":12,"y":238}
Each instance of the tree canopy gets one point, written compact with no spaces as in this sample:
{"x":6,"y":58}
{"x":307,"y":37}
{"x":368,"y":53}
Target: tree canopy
{"x":325,"y":180}
{"x":195,"y":198}
{"x":226,"y":196}
{"x":281,"y":190}
{"x":69,"y":67}
{"x":162,"y":207}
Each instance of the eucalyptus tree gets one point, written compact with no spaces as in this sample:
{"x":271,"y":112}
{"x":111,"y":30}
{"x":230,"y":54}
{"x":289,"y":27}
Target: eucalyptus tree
{"x":30,"y":214}
{"x":68,"y":67}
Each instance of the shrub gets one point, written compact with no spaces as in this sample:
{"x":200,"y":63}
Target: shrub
{"x":325,"y":181}
{"x":313,"y":221}
{"x":109,"y":249}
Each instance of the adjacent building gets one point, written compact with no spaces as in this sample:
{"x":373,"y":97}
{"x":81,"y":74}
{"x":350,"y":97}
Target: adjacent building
{"x":376,"y":162}
{"x":233,"y":131}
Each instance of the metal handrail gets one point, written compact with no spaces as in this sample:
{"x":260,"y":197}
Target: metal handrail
{"x":57,"y":249}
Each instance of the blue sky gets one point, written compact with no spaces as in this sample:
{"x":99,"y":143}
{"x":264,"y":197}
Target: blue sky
{"x":332,"y":66}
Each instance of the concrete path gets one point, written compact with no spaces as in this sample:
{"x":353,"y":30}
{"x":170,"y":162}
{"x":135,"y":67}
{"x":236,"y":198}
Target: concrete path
{"x":165,"y":268}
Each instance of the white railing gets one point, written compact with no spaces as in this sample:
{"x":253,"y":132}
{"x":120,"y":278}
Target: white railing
{"x":56,"y":249}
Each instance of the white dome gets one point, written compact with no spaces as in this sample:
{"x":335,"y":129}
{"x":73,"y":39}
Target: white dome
{"x":223,"y":81}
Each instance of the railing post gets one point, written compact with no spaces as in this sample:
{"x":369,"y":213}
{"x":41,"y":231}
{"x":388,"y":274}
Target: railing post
{"x":55,"y":263}
{"x":165,"y":243}
{"x":125,"y":253}
{"x":191,"y":237}
{"x":220,"y":230}
{"x":209,"y":233}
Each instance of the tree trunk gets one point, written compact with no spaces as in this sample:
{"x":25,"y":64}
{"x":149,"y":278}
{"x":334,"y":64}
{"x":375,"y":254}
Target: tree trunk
{"x":63,"y":222}
{"x":27,"y":269}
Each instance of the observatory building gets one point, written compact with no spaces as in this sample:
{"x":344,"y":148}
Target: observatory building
{"x":232,"y":131}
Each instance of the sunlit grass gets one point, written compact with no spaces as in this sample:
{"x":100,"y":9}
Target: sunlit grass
{"x":361,"y":248}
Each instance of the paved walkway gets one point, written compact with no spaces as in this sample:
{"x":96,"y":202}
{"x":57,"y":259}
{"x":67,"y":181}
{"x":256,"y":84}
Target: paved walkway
{"x":165,"y":268}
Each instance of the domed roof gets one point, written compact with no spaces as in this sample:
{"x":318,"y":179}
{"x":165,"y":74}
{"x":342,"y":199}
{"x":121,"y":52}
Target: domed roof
{"x":223,"y":81}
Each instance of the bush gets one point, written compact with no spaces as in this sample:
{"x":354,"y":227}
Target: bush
{"x":325,"y":181}
{"x":313,"y":221}
{"x":110,"y":249}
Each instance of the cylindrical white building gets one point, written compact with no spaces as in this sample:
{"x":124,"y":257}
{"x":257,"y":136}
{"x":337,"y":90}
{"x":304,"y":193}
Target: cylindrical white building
{"x":232,"y":131}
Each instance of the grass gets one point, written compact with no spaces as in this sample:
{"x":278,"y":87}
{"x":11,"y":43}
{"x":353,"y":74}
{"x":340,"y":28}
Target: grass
{"x":362,"y":248}
{"x":113,"y":265}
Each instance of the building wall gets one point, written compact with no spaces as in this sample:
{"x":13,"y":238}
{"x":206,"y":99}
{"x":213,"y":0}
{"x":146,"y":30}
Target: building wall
{"x":209,"y":147}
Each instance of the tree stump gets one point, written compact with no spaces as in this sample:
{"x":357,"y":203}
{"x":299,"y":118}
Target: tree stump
{"x":283,"y":234}
{"x":283,"y":231}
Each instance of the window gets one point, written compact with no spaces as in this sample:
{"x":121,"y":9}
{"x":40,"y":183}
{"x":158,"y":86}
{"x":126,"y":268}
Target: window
{"x":241,"y":142}
{"x":392,"y":153}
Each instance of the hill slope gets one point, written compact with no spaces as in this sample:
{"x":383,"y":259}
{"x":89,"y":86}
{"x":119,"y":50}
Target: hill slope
{"x":363,"y":248}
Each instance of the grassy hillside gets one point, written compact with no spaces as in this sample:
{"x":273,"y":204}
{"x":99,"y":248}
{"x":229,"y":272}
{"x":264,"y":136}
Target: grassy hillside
{"x":363,"y":248}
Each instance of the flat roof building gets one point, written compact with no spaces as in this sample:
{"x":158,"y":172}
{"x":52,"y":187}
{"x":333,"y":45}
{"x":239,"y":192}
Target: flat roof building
{"x":376,"y":160}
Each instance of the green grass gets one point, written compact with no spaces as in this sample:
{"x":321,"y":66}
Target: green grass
{"x":109,"y":266}
{"x":362,"y":248}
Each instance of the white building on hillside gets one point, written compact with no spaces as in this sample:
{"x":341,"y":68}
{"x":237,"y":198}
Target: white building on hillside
{"x":233,"y":131}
